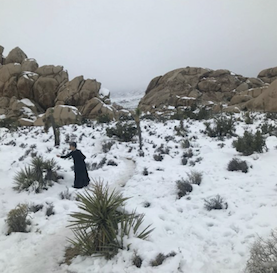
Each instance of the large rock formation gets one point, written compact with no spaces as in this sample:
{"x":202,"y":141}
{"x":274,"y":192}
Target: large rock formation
{"x":268,"y":75}
{"x":194,"y":85}
{"x":21,"y":79}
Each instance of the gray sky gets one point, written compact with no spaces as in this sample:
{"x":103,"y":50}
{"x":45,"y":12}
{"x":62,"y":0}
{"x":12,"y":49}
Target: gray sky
{"x":125,"y":43}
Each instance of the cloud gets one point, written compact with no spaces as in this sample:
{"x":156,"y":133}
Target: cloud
{"x":125,"y":43}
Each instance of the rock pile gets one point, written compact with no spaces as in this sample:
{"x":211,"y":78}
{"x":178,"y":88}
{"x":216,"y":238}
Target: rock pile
{"x":28,"y":90}
{"x":194,"y":85}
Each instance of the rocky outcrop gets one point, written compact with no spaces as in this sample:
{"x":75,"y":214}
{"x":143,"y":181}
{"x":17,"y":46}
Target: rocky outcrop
{"x":268,"y":75}
{"x":266,"y":101}
{"x":46,"y":87}
{"x":15,"y":56}
{"x":62,"y":114}
{"x":194,"y":85}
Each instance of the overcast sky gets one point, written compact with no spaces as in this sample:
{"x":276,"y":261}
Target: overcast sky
{"x":125,"y":43}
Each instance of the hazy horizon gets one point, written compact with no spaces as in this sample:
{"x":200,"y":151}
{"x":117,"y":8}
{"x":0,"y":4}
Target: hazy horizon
{"x":126,"y":43}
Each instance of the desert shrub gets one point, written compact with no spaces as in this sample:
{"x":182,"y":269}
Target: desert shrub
{"x":188,"y":153}
{"x":145,"y":172}
{"x":268,"y":129}
{"x":104,"y":118}
{"x":263,"y":255}
{"x":10,"y":124}
{"x":137,"y":260}
{"x":162,"y":149}
{"x":250,"y":143}
{"x":49,"y":209}
{"x":17,"y":219}
{"x":160,"y":258}
{"x":194,"y":112}
{"x":194,"y":177}
{"x":124,"y":131}
{"x":224,"y":126}
{"x":249,"y":118}
{"x":39,"y":175}
{"x":158,"y":157}
{"x":35,"y":207}
{"x":183,"y":188}
{"x":111,"y":163}
{"x":215,"y":203}
{"x":237,"y":165}
{"x":185,"y":144}
{"x":101,"y":225}
{"x":106,"y":146}
{"x":66,"y":195}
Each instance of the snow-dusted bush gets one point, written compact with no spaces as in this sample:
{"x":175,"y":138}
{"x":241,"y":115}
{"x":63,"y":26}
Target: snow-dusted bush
{"x":101,"y":225}
{"x":249,"y":118}
{"x":50,"y":209}
{"x":250,"y":143}
{"x":263,"y":255}
{"x":215,"y":203}
{"x":10,"y":124}
{"x":183,"y":187}
{"x":66,"y":195}
{"x":137,"y":260}
{"x":106,"y":146}
{"x":237,"y":165}
{"x":124,"y":131}
{"x":35,"y":207}
{"x":268,"y":129}
{"x":160,"y":258}
{"x":223,"y":126}
{"x":104,"y":118}
{"x":194,"y":177}
{"x":17,"y":219}
{"x":158,"y":157}
{"x":145,"y":172}
{"x":39,"y":175}
{"x":185,"y":144}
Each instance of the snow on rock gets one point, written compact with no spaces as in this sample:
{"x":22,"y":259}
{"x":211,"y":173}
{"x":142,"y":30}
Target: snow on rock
{"x":27,"y":102}
{"x":204,"y":241}
{"x":104,"y":92}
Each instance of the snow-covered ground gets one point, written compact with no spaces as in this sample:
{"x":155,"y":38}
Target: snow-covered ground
{"x":216,"y":241}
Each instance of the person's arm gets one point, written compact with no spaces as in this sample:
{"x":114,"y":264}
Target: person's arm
{"x":66,"y":156}
{"x":82,"y":155}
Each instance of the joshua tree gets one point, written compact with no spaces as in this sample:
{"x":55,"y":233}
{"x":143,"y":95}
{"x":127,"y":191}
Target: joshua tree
{"x":50,"y":122}
{"x":137,"y":121}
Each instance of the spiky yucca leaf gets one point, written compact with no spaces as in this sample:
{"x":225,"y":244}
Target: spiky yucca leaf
{"x":24,"y":179}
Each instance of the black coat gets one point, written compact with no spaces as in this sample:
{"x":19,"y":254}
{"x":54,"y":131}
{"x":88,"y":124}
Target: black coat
{"x":81,"y":174}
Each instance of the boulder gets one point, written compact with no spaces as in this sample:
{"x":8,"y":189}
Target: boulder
{"x":30,"y":65}
{"x":10,"y":87}
{"x":267,"y":101}
{"x":4,"y":102}
{"x":46,"y":87}
{"x":25,"y":122}
{"x":78,"y":91}
{"x":238,"y":99}
{"x":25,"y":85}
{"x":9,"y":70}
{"x":95,"y":107}
{"x":63,"y":115}
{"x":268,"y":75}
{"x":15,"y":56}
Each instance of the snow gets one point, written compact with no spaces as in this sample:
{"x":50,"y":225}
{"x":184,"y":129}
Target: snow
{"x":205,"y":241}
{"x":27,"y":102}
{"x":104,"y":92}
{"x":2,"y":116}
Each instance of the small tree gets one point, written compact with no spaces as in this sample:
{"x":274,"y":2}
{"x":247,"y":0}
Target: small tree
{"x":49,"y":121}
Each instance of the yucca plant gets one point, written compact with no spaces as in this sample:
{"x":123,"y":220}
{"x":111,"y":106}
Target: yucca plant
{"x":37,"y":176}
{"x":101,"y":224}
{"x":50,"y":166}
{"x":24,"y":179}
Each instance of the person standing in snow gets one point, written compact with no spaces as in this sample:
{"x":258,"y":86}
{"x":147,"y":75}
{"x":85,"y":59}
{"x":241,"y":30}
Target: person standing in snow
{"x":81,"y":174}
